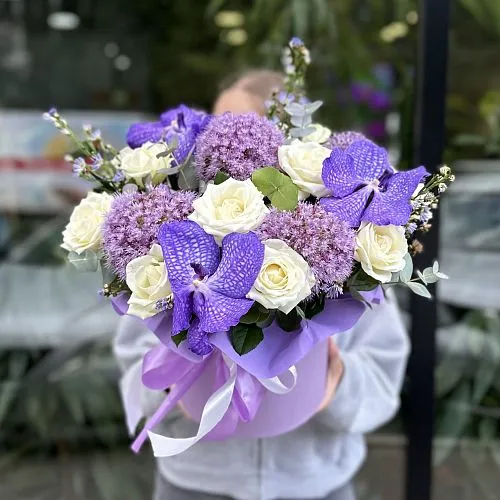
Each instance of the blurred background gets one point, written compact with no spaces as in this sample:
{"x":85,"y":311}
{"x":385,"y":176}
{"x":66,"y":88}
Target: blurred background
{"x":111,"y":63}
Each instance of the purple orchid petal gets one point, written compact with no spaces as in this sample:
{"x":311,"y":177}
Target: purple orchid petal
{"x":392,"y":206}
{"x":339,"y":175}
{"x":218,"y":313}
{"x":198,"y":339}
{"x":183,"y":310}
{"x":370,"y":160}
{"x":139,"y":133}
{"x":185,"y":243}
{"x":349,"y":209}
{"x":242,"y":257}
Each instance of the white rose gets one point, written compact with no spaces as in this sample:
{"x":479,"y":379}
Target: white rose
{"x":148,"y":281}
{"x":83,"y":231}
{"x":231,"y":207}
{"x":381,"y":250}
{"x":320,"y":135}
{"x":284,"y":278}
{"x":141,"y":162}
{"x":303,"y":162}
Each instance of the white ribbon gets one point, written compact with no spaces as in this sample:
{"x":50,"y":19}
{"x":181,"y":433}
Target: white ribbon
{"x":214,"y":411}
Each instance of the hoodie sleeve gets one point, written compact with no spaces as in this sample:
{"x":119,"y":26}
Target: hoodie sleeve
{"x":374,"y":353}
{"x":131,"y":342}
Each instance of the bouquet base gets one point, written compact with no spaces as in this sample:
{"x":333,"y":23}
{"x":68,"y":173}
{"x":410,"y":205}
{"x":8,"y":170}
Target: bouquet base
{"x":277,"y":413}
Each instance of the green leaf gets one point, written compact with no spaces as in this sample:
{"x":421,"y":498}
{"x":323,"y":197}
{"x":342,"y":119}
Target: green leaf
{"x":288,"y":322}
{"x":419,"y":289}
{"x":246,"y":338}
{"x":429,"y":275}
{"x":406,"y":273}
{"x":87,"y":261}
{"x":257,"y":314}
{"x":278,"y":187}
{"x":180,"y":337}
{"x":362,"y":282}
{"x":422,"y":277}
{"x":314,"y":307}
{"x":220,"y":177}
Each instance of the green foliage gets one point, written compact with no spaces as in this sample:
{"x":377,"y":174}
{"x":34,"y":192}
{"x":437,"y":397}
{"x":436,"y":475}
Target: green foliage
{"x":278,"y":187}
{"x":245,"y":338}
{"x":291,"y":321}
{"x":257,"y":314}
{"x":180,"y":337}
{"x":220,"y":177}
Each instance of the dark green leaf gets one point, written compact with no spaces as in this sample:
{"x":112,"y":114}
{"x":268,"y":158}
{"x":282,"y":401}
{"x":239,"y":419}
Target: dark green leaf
{"x":361,"y":282}
{"x":314,"y":307}
{"x":220,"y":177}
{"x":246,"y":338}
{"x":288,"y":322}
{"x":180,"y":337}
{"x":257,"y":314}
{"x":278,"y":187}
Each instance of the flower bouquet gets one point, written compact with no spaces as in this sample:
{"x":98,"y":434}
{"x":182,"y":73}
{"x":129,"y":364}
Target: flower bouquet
{"x":244,"y":243}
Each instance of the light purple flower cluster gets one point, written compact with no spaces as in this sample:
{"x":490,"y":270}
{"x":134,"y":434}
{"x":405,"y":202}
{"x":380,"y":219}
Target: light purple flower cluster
{"x":132,"y":224}
{"x":180,"y":125}
{"x":343,"y":140}
{"x":326,"y":243}
{"x":237,"y":145}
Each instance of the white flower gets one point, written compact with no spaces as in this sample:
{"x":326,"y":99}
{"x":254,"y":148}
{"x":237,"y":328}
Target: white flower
{"x":303,"y":162}
{"x":231,"y":207}
{"x":148,"y":281}
{"x":284,"y":278}
{"x":83,"y":231}
{"x":320,"y":135}
{"x":144,"y":161}
{"x":381,"y":250}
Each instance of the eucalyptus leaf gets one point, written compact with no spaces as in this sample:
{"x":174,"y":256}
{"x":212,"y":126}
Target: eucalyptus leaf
{"x":429,"y":275}
{"x":298,"y":133}
{"x":245,"y":338}
{"x":87,"y":261}
{"x":312,"y":107}
{"x":295,"y":109}
{"x":406,"y":273}
{"x":419,"y":289}
{"x":279,"y":188}
{"x":422,"y":277}
{"x":362,"y":282}
{"x":442,"y":276}
{"x":188,"y":180}
{"x":435,"y":266}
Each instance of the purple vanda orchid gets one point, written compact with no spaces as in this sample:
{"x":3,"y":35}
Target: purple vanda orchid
{"x":365,"y":187}
{"x":209,"y":290}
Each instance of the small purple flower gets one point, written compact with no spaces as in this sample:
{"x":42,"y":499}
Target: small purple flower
{"x":51,"y":114}
{"x":379,"y":100}
{"x":343,"y":140}
{"x":97,"y":162}
{"x":119,"y":176}
{"x":237,"y":145}
{"x":79,"y":166}
{"x":209,"y":290}
{"x":181,"y":124}
{"x":365,"y":187}
{"x":296,"y":42}
{"x":411,"y":227}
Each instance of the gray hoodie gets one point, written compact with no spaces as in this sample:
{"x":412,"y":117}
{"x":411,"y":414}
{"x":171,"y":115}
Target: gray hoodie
{"x":309,"y":462}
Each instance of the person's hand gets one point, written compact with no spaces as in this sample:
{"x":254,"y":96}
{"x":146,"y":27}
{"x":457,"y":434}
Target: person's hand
{"x":334,"y":374}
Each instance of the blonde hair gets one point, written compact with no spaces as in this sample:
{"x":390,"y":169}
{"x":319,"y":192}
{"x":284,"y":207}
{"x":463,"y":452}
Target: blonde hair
{"x":248,"y":91}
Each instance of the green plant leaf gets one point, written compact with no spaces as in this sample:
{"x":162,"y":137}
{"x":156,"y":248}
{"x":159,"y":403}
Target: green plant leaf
{"x":288,"y":322}
{"x":278,"y":187}
{"x":180,"y":337}
{"x":314,"y":307}
{"x":245,"y":338}
{"x":406,"y":273}
{"x":220,"y":177}
{"x":87,"y":261}
{"x":257,"y":314}
{"x":419,"y":289}
{"x":429,"y":275}
{"x":362,"y":282}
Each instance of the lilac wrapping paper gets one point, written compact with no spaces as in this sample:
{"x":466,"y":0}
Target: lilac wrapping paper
{"x":254,"y":411}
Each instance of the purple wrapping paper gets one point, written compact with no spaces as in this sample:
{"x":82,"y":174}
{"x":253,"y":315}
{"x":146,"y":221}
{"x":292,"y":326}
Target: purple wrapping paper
{"x":254,"y":411}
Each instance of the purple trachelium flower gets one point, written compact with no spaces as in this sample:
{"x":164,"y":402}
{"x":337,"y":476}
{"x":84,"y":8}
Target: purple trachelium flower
{"x":97,"y":161}
{"x":209,"y":290}
{"x":132,"y":224}
{"x":79,"y":166}
{"x":179,"y":126}
{"x":296,"y":42}
{"x":237,"y":145}
{"x":343,"y":140}
{"x":326,"y":243}
{"x":366,"y":188}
